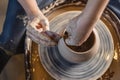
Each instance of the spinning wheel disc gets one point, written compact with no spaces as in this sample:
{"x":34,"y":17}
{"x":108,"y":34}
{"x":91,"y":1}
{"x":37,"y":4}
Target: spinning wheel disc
{"x":92,"y":69}
{"x":110,"y":23}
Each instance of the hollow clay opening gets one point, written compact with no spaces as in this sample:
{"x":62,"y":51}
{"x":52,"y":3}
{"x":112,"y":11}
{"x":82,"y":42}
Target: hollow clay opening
{"x":87,"y":45}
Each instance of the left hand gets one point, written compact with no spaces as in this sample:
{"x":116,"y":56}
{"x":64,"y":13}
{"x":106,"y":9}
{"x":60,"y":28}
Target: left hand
{"x":38,"y":31}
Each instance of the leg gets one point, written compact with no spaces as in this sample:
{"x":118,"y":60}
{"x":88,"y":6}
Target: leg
{"x":12,"y":33}
{"x":12,"y":36}
{"x":13,"y":28}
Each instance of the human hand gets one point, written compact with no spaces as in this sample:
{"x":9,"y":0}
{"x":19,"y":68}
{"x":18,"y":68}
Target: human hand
{"x":80,"y":27}
{"x":38,"y":26}
{"x":38,"y":31}
{"x":76,"y":34}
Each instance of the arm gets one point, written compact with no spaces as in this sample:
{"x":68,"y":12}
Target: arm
{"x":33,"y":11}
{"x":30,"y":7}
{"x":84,"y":23}
{"x":38,"y":28}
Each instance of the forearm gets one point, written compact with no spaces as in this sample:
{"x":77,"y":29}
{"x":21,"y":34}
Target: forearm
{"x":86,"y":21}
{"x":94,"y":10}
{"x":31,"y":7}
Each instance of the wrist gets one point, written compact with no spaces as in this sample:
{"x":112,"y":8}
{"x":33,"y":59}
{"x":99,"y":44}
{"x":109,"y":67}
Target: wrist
{"x":35,"y":14}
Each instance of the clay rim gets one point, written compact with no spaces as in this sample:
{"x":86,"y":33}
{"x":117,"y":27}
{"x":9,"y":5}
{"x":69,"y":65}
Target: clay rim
{"x":93,"y":48}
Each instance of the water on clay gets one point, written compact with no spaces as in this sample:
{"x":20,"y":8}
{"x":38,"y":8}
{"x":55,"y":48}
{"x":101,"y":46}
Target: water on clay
{"x":37,"y":71}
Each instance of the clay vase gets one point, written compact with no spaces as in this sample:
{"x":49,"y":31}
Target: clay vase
{"x":86,"y":62}
{"x":80,"y":53}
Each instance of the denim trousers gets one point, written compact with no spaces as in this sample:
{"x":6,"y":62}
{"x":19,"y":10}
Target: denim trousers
{"x":14,"y":28}
{"x":13,"y":34}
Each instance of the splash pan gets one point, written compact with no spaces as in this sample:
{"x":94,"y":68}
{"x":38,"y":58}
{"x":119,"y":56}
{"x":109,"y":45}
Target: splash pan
{"x":45,"y":62}
{"x":61,"y":69}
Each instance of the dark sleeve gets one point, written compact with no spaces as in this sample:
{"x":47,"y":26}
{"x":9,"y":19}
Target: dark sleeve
{"x":43,"y":3}
{"x":114,"y":5}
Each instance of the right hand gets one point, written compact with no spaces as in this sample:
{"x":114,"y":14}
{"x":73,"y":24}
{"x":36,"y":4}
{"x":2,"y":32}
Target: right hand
{"x":76,"y":33}
{"x":80,"y":27}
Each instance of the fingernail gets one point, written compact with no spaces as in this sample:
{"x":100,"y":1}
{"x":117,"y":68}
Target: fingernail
{"x":38,"y":26}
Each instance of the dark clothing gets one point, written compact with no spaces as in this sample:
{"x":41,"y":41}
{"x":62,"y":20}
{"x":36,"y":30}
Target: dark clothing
{"x":13,"y":33}
{"x":114,"y":5}
{"x":14,"y":26}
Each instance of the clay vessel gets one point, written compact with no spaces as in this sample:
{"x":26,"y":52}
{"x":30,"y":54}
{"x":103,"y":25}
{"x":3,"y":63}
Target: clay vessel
{"x":80,"y":54}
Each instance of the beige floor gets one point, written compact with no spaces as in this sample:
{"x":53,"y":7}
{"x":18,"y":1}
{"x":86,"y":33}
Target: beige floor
{"x":3,"y":7}
{"x":14,"y":70}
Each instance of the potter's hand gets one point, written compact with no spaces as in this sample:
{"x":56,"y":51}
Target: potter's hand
{"x":38,"y":31}
{"x":38,"y":27}
{"x":80,"y":28}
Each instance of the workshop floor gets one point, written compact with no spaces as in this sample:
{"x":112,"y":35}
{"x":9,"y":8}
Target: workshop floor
{"x":14,"y":69}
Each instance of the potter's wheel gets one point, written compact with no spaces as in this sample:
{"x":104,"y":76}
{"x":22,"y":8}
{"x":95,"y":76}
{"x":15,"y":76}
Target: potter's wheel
{"x":61,"y":69}
{"x":107,"y":28}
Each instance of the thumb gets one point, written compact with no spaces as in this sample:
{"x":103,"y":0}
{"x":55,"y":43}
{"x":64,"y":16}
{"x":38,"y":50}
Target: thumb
{"x":45,"y":24}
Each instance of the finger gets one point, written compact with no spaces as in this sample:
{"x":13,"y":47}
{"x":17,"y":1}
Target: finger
{"x":34,"y":30}
{"x":53,"y":36}
{"x":40,"y":41}
{"x":45,"y":24}
{"x":38,"y":26}
{"x":38,"y":36}
{"x":37,"y":39}
{"x":69,"y":41}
